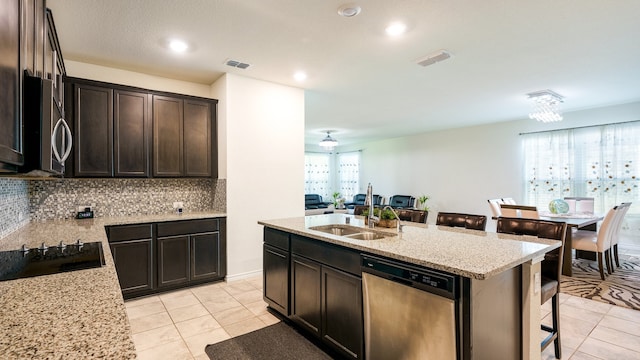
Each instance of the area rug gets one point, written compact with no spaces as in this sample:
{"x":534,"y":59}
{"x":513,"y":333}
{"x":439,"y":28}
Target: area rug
{"x":279,"y":341}
{"x":621,"y":288}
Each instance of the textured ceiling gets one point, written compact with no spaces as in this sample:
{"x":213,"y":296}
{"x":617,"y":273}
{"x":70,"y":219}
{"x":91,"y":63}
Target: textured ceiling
{"x":363,"y":84}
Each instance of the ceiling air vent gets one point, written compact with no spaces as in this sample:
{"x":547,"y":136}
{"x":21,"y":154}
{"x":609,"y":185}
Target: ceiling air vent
{"x":433,"y":58}
{"x":237,"y":64}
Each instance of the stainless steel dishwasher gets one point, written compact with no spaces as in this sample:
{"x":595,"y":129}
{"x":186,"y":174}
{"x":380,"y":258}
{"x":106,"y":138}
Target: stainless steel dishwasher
{"x":409,"y":312}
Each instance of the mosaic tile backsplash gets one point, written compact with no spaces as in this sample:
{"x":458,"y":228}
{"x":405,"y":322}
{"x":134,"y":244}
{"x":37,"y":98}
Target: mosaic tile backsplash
{"x":60,"y":198}
{"x":14,"y":205}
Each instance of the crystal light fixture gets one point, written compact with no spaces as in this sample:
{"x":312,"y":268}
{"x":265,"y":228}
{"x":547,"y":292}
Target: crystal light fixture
{"x":328,"y":143}
{"x":546,"y":106}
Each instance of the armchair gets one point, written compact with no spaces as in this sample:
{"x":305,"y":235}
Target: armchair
{"x":402,"y":201}
{"x":314,"y":201}
{"x":359,"y":199}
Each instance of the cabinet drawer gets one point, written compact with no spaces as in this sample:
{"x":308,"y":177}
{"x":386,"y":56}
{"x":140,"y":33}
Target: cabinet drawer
{"x":188,"y":227}
{"x":332,"y":255}
{"x":277,"y":238}
{"x":130,"y":232}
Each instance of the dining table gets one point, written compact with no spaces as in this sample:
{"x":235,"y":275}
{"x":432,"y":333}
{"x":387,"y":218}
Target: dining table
{"x":574,"y":221}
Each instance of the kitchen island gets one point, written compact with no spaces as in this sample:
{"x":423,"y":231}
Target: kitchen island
{"x":497,"y":307}
{"x":71,"y":315}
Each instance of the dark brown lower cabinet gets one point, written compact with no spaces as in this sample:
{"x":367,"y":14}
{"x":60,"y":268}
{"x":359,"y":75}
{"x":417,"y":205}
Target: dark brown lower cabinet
{"x":306,"y":293}
{"x":157,"y":257}
{"x":276,"y":278}
{"x":133,"y":254}
{"x":325,"y":292}
{"x":173,"y":260}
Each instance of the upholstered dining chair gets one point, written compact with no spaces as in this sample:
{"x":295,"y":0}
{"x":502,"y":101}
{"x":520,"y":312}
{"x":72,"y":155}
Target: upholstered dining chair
{"x":494,"y":204}
{"x":521,"y":211}
{"x":467,"y":221}
{"x":418,"y":216}
{"x":598,"y":242}
{"x":551,"y":268}
{"x":613,"y":250}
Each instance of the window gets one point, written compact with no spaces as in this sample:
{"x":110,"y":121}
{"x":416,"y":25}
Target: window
{"x":329,"y":173}
{"x":602,"y":162}
{"x":317,"y":179}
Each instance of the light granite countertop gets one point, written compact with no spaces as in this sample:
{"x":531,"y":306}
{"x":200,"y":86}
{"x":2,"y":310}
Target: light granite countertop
{"x":470,"y":253}
{"x":73,"y":315}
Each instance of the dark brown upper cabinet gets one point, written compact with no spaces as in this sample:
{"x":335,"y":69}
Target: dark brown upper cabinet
{"x":11,"y":154}
{"x":182,"y":137}
{"x":112,"y":128}
{"x":132,"y":129}
{"x":33,"y":32}
{"x":93,"y":139}
{"x":124,"y":131}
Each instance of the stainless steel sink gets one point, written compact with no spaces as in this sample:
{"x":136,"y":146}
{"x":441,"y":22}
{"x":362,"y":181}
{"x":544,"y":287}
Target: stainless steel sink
{"x":369,"y":236}
{"x":352,"y":232}
{"x":336,"y":229}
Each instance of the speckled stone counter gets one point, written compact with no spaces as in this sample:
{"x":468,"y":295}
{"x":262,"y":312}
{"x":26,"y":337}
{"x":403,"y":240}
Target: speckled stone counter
{"x":470,"y":253}
{"x":73,"y":315}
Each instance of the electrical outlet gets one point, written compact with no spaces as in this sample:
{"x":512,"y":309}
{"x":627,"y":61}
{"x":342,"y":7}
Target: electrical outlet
{"x":84,"y":207}
{"x":178,"y":205}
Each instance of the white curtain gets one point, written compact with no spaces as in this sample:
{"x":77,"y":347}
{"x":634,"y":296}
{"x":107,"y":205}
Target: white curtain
{"x":317,"y":173}
{"x":602,"y":162}
{"x":348,"y":174}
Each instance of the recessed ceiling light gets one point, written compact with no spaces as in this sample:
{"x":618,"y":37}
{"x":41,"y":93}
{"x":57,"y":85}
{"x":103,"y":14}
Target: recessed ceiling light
{"x":396,"y":29}
{"x":300,"y":76}
{"x":349,"y":10}
{"x":178,"y":45}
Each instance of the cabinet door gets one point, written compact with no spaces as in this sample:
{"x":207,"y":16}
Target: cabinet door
{"x":197,"y":138}
{"x":131,"y":134}
{"x":167,"y":136}
{"x":205,"y":256}
{"x":57,"y":65}
{"x":134,"y":264}
{"x":93,"y":140}
{"x":342,"y":312}
{"x":10,"y":86}
{"x":306,"y":293}
{"x":173,"y":260}
{"x":276,"y":278}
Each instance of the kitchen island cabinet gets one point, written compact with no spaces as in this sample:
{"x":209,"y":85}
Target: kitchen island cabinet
{"x":496,"y":301}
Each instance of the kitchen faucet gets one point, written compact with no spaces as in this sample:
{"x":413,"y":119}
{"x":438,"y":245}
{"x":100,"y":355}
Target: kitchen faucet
{"x":399,"y":227}
{"x":372,"y":219}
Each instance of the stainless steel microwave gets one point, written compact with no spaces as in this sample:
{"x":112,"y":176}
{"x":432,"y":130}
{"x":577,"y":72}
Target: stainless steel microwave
{"x":47,"y":135}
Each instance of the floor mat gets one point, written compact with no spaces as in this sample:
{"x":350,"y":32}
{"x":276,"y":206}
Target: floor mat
{"x":279,"y":341}
{"x":621,"y":288}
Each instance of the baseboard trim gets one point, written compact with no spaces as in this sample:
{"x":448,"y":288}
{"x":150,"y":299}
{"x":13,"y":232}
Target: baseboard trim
{"x":242,"y":276}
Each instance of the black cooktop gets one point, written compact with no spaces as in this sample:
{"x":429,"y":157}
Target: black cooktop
{"x":46,"y":260}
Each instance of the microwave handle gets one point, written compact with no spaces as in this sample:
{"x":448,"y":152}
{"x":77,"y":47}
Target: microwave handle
{"x":66,"y":149}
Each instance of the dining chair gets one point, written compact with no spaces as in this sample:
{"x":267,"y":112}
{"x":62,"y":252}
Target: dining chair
{"x":418,"y":216}
{"x":494,"y":204}
{"x":520,"y":211}
{"x":467,"y":221}
{"x":598,"y":241}
{"x":613,"y":250}
{"x":551,"y":268}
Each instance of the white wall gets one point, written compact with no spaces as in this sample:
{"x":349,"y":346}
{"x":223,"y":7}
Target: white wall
{"x":265,"y":164}
{"x":461,"y":168}
{"x":130,"y":78}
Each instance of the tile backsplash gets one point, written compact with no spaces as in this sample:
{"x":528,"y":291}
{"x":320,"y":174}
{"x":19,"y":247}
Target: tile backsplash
{"x":60,"y":198}
{"x":14,"y":204}
{"x":24,"y":200}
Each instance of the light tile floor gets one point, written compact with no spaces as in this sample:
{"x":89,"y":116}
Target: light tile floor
{"x":179,"y":324}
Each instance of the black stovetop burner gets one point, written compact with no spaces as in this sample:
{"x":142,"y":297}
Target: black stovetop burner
{"x":46,"y":260}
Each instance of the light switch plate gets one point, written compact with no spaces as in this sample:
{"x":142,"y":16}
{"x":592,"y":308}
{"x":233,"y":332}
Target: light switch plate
{"x":178,"y":205}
